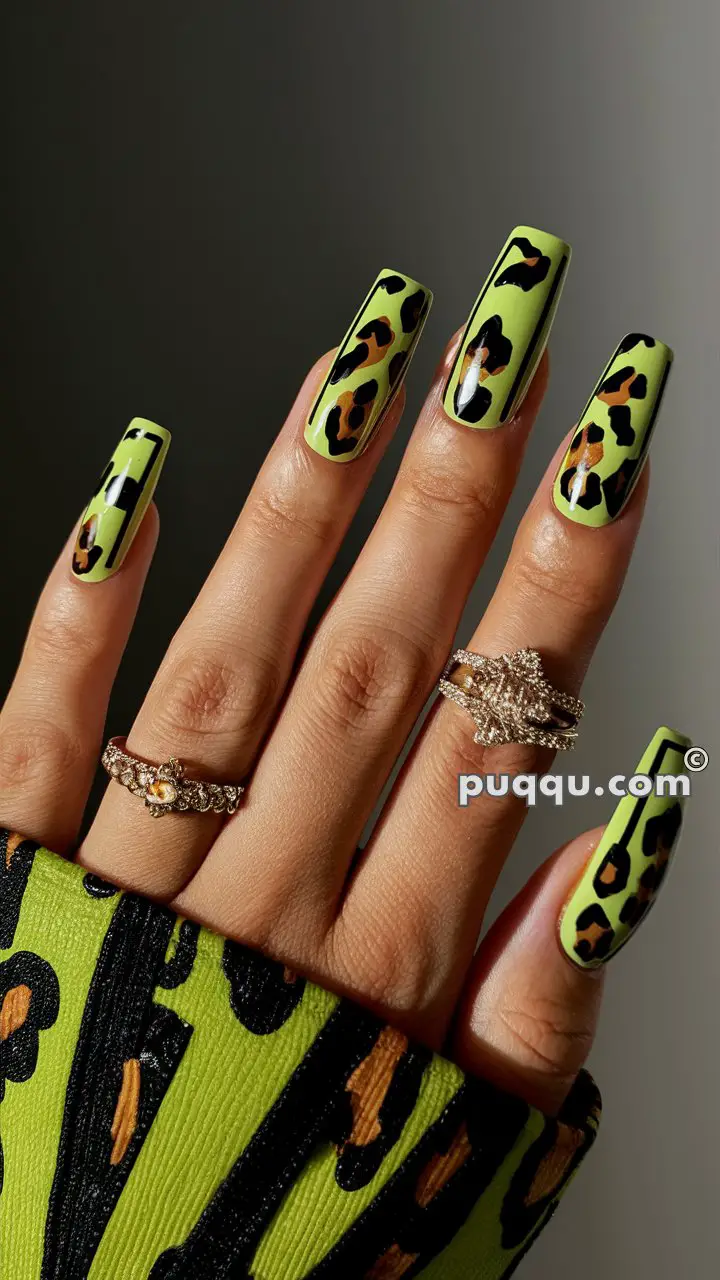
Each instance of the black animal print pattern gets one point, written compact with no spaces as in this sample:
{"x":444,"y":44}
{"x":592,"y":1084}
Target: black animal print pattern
{"x":603,"y":463}
{"x":119,"y":501}
{"x":369,"y":367}
{"x":579,"y":483}
{"x":185,"y":1040}
{"x":627,"y":870}
{"x":507,"y":330}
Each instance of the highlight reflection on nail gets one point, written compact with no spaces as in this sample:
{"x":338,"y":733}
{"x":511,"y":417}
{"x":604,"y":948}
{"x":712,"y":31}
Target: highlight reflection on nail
{"x":508,"y":329}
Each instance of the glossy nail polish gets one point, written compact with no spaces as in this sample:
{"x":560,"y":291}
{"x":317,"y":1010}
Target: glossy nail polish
{"x":606,"y":454}
{"x":624,"y":875}
{"x":120,"y":501}
{"x":369,"y":367}
{"x":508,"y":330}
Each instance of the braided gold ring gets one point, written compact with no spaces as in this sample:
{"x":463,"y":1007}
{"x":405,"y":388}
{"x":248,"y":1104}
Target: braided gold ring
{"x":164,"y":788}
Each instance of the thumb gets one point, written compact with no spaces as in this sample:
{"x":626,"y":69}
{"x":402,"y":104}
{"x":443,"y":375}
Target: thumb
{"x":528,"y":1016}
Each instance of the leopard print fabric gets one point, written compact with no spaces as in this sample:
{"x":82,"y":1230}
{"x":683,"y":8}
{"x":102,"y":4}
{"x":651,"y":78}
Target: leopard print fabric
{"x":176,"y":1106}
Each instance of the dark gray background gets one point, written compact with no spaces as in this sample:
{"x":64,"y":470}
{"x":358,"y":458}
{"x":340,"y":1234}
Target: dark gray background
{"x":197,"y":195}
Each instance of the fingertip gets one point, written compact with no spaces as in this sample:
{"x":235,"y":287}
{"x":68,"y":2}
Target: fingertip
{"x":530,"y":406}
{"x":138,"y":556}
{"x":320,"y":367}
{"x":148,"y":532}
{"x":445,"y":363}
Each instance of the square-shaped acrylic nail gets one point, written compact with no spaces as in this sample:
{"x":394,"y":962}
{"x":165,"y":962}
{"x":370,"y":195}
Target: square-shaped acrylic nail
{"x":626,"y":871}
{"x":121,"y":498}
{"x":369,"y":367}
{"x":508,"y":330}
{"x":607,"y":451}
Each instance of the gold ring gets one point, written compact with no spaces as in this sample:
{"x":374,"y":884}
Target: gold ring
{"x":510,"y":700}
{"x":164,"y":788}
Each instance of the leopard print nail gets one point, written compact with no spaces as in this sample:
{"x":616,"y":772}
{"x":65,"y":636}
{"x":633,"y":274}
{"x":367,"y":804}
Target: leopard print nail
{"x":624,"y":875}
{"x":369,"y":367}
{"x":606,"y":454}
{"x":121,"y":498}
{"x":507,"y":331}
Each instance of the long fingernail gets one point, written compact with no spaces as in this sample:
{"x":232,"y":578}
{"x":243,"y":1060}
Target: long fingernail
{"x":624,"y":875}
{"x":369,"y":367}
{"x":606,"y":455}
{"x":508,"y":329}
{"x":120,"y":500}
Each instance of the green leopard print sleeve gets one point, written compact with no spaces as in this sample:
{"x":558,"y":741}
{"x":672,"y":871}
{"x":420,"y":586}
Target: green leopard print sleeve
{"x":176,"y":1106}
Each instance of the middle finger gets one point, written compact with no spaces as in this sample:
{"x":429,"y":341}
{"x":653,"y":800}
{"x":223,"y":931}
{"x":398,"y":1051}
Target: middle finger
{"x":379,"y":650}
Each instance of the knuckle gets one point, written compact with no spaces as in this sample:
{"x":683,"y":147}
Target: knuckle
{"x":546,"y":1036}
{"x":538,"y":577}
{"x":204,"y":694}
{"x":273,"y":513}
{"x":439,"y":493}
{"x":455,"y":752}
{"x":367,"y":676}
{"x":32,"y":748}
{"x":60,"y":632}
{"x":393,"y":968}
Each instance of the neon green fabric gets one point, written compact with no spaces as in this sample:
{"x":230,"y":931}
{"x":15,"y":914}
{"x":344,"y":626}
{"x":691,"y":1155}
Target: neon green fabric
{"x":176,"y":1106}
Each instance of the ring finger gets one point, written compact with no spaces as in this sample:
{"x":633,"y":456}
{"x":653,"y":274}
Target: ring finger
{"x":556,"y":593}
{"x":381,"y":646}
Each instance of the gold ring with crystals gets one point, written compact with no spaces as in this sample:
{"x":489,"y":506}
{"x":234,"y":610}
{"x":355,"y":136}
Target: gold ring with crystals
{"x":164,"y":788}
{"x":510,"y":700}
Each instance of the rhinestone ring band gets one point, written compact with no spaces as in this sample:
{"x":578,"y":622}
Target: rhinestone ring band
{"x":164,"y":788}
{"x":510,"y":700}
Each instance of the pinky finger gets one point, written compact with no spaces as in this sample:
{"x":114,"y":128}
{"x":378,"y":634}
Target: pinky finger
{"x":529,"y":1013}
{"x":53,"y":719}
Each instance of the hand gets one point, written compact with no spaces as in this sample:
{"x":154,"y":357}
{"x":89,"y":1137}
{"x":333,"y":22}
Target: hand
{"x":396,"y":925}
